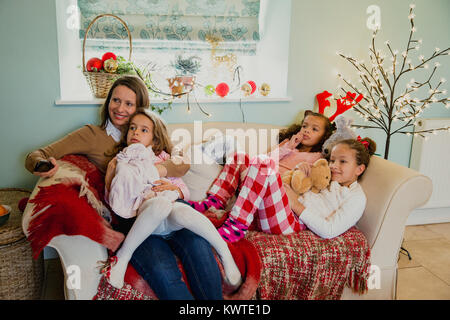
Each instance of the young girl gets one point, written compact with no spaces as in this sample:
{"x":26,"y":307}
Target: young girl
{"x":155,"y":213}
{"x":336,"y":209}
{"x":261,"y":189}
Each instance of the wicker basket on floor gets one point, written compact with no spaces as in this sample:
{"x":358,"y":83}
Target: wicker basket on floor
{"x":21,"y":277}
{"x":101,"y":82}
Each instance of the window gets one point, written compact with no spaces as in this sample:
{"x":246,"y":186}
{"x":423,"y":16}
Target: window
{"x":253,"y":34}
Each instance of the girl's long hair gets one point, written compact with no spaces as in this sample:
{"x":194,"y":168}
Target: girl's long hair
{"x":161,"y":139}
{"x":295,"y":128}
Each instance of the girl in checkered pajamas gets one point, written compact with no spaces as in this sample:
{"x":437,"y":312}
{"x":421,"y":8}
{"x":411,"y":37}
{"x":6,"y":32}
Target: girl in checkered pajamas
{"x":261,"y":191}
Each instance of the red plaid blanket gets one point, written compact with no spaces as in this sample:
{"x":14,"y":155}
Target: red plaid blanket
{"x":305,"y":266}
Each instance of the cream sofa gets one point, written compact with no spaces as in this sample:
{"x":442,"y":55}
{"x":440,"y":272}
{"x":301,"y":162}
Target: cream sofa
{"x":393,"y":191}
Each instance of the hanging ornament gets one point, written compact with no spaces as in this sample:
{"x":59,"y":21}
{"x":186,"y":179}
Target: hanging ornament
{"x":253,"y":85}
{"x":176,"y":85}
{"x":209,"y":90}
{"x":264,"y":89}
{"x":222,"y":89}
{"x":249,"y":88}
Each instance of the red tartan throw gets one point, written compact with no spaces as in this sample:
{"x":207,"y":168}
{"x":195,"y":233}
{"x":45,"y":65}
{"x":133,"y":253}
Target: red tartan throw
{"x":306,"y":267}
{"x":70,"y":204}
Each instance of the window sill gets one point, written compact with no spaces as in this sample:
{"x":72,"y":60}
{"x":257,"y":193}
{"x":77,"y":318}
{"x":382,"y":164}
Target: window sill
{"x":94,"y":101}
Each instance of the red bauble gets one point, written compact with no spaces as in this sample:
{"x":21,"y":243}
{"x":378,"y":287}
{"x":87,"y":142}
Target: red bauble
{"x":108,"y":55}
{"x":253,"y":85}
{"x":94,"y":64}
{"x":222,"y":89}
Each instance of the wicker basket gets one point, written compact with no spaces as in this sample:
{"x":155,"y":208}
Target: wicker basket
{"x":21,"y":277}
{"x":101,"y":82}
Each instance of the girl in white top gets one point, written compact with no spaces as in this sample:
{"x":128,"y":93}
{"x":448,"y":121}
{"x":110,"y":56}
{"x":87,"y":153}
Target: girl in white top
{"x":337,"y":208}
{"x":134,"y":179}
{"x":154,"y":206}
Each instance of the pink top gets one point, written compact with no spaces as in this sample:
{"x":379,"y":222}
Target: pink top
{"x":289,"y":158}
{"x":163,"y":156}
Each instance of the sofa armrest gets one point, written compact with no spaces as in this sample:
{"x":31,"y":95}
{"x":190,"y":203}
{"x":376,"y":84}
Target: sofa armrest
{"x":392,"y":191}
{"x":79,"y":256}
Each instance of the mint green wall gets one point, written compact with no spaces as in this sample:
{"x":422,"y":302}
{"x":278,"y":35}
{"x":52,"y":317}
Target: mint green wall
{"x":29,"y":83}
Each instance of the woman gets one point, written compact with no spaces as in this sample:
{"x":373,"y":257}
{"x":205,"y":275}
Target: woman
{"x":154,"y":259}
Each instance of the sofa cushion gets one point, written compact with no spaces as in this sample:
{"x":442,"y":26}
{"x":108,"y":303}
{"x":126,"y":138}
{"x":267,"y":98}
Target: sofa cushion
{"x":201,"y":175}
{"x":206,"y":161}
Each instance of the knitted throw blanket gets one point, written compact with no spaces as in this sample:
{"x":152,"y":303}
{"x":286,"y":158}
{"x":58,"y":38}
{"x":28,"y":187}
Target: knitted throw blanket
{"x":305,"y":266}
{"x":69,"y":203}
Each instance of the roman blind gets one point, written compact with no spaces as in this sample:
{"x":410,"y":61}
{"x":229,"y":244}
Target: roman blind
{"x":173,"y":24}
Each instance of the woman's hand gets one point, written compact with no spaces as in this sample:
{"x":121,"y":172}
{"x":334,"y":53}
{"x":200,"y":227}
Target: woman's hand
{"x":51,"y":172}
{"x":110,"y":173}
{"x":166,"y":185}
{"x":295,"y":140}
{"x":296,"y":206}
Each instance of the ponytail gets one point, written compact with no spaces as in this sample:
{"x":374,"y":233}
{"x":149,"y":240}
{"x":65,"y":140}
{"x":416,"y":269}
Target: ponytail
{"x":364,"y":148}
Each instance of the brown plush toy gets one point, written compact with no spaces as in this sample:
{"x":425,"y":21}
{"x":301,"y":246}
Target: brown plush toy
{"x":318,"y":179}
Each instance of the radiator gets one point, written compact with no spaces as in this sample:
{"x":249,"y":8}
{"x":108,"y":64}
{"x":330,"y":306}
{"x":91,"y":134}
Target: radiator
{"x":431,"y":157}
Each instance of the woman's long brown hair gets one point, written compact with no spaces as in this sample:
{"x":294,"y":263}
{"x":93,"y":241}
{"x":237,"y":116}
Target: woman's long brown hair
{"x":133,"y":83}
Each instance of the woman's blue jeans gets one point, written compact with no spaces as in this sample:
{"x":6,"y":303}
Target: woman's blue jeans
{"x":155,"y":261}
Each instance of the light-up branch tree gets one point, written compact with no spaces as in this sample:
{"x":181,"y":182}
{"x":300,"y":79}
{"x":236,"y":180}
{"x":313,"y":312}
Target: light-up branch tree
{"x":386,"y":105}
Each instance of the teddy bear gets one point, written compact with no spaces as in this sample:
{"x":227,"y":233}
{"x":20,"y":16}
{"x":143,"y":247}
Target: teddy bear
{"x":343,"y":132}
{"x":318,"y":179}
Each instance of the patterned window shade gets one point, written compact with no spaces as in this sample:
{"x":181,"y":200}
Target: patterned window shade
{"x":173,"y":24}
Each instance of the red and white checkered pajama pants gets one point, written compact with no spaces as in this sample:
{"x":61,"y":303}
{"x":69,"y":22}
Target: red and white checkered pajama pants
{"x":261,"y":194}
